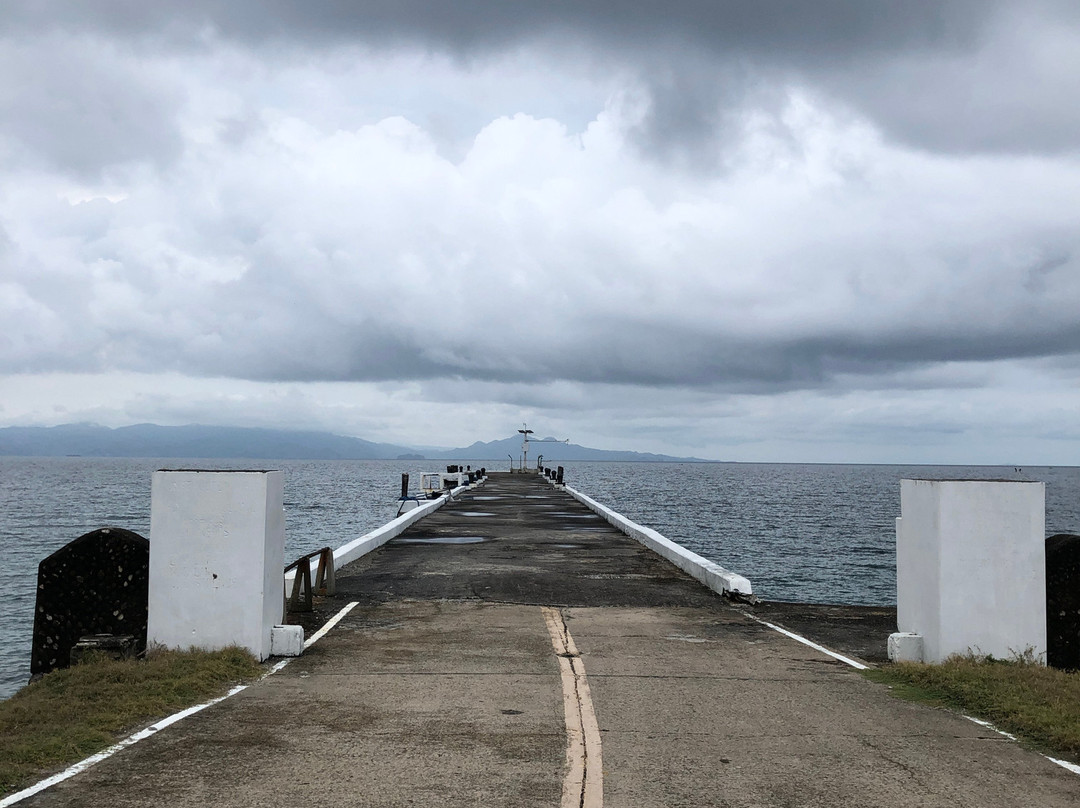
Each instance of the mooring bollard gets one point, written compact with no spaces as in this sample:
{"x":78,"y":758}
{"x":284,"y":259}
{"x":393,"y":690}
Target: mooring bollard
{"x":404,"y":485}
{"x":559,"y":475}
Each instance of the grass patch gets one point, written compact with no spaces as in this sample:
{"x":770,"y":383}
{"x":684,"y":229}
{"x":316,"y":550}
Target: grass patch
{"x":1041,"y":705}
{"x":72,"y":713}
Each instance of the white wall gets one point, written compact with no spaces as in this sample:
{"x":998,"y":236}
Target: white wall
{"x":970,"y":566}
{"x":712,"y":575}
{"x":217,"y":550}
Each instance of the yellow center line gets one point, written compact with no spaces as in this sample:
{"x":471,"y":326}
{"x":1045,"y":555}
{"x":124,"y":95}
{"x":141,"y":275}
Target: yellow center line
{"x":583,"y":786}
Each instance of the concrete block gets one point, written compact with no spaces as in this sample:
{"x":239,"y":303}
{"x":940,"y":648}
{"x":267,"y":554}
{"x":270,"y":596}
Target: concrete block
{"x":217,"y":551}
{"x":287,"y":641}
{"x":905,"y":647}
{"x":970,"y":567}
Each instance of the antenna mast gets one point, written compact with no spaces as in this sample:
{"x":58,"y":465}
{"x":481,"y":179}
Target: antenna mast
{"x":525,"y":432}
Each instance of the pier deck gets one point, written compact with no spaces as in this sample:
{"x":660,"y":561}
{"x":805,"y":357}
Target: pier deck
{"x":445,"y":686}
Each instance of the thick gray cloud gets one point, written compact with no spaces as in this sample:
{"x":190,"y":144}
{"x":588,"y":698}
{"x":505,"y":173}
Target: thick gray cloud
{"x":959,"y":75}
{"x":795,"y":29}
{"x":662,"y":216}
{"x":77,"y":105}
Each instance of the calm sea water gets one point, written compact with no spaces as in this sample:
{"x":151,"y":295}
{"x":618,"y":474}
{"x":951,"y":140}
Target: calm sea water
{"x":805,"y":533}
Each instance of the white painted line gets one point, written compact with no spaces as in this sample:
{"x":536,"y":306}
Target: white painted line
{"x":1065,"y":764}
{"x":157,"y":726}
{"x":812,"y":644}
{"x":333,"y":621}
{"x":583,"y":786}
{"x":1062,"y":763}
{"x":276,"y":667}
{"x":83,"y":765}
{"x":989,"y":726}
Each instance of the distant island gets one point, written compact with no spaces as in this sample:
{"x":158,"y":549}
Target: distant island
{"x":196,"y":441}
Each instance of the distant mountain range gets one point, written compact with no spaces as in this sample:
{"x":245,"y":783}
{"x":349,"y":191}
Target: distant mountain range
{"x":194,"y":441}
{"x":552,"y":452}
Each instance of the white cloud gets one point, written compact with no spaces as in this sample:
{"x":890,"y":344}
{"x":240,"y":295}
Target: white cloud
{"x":339,"y":238}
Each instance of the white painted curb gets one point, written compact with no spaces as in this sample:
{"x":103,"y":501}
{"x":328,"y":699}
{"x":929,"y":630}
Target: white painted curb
{"x":381,"y":535}
{"x":712,"y":575}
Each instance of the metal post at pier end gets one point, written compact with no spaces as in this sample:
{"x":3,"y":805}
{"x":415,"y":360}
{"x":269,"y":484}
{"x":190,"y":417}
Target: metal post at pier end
{"x":539,"y":462}
{"x":404,"y":485}
{"x":511,"y":463}
{"x":525,"y":432}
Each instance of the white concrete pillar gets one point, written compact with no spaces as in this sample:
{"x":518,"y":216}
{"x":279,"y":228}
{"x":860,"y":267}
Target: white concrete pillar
{"x":970,"y":567}
{"x":217,"y":551}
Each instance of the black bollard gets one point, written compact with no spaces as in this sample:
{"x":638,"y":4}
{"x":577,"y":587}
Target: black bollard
{"x":404,"y":485}
{"x":559,"y":475}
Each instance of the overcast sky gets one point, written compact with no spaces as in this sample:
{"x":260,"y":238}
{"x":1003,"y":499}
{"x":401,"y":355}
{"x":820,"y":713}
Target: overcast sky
{"x":779,"y":231}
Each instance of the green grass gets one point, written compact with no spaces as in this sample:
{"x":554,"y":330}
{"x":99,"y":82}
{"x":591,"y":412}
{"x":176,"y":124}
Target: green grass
{"x":1040,"y":705}
{"x":72,"y":713}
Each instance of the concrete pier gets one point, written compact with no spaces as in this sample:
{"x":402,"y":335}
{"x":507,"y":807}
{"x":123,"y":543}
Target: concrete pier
{"x":514,"y":649}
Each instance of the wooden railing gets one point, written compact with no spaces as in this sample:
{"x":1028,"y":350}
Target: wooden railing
{"x":300,"y":599}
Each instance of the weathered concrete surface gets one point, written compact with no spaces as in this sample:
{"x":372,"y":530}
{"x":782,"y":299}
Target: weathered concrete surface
{"x":406,"y":704}
{"x":855,"y":631}
{"x":702,"y":707}
{"x":441,"y":688}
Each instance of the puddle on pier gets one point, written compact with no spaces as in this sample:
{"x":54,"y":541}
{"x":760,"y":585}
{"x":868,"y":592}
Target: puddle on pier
{"x":474,"y":513}
{"x":440,"y":540}
{"x":488,"y":498}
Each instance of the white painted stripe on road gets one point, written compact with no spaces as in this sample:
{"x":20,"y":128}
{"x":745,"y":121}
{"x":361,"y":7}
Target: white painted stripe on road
{"x":157,"y":726}
{"x":798,"y":638}
{"x":83,"y":765}
{"x":989,"y":726}
{"x":333,"y":621}
{"x":583,"y":786}
{"x":1074,"y":768}
{"x":1065,"y":764}
{"x":1062,"y":763}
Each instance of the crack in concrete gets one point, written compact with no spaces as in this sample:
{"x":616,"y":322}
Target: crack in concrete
{"x":583,"y":786}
